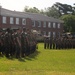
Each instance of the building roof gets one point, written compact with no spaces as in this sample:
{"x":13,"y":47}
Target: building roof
{"x":33,"y":16}
{"x":41,"y":17}
{"x":7,"y":12}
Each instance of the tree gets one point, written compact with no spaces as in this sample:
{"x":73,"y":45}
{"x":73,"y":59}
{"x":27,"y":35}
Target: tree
{"x":69,"y":23}
{"x":63,"y":8}
{"x":32,"y":10}
{"x":52,"y":12}
{"x":74,"y":9}
{"x":42,"y":12}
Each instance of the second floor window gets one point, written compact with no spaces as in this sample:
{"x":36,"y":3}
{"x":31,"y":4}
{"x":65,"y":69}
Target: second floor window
{"x":44,"y":24}
{"x":17,"y":21}
{"x":23,"y":21}
{"x":4,"y":20}
{"x":39,"y":23}
{"x":49,"y":25}
{"x":33,"y":23}
{"x":58,"y":25}
{"x":54,"y":25}
{"x":11,"y":20}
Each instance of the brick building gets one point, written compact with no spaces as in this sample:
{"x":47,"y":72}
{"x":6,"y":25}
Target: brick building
{"x":34,"y":21}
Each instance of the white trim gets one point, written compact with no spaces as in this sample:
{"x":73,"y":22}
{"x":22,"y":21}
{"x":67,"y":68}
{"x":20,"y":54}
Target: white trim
{"x":49,"y":24}
{"x":11,"y":20}
{"x":54,"y":34}
{"x":54,"y":25}
{"x":49,"y":34}
{"x":58,"y":25}
{"x":23,"y":21}
{"x":44,"y":24}
{"x":4,"y":20}
{"x":17,"y":21}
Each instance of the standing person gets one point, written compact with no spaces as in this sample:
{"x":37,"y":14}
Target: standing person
{"x":28,"y":42}
{"x":53,"y":43}
{"x":23,"y":42}
{"x":7,"y":42}
{"x":1,"y":42}
{"x":13,"y":43}
{"x":34,"y":42}
{"x":74,"y":43}
{"x":56,"y":42}
{"x":44,"y":42}
{"x":50,"y":43}
{"x":18,"y":42}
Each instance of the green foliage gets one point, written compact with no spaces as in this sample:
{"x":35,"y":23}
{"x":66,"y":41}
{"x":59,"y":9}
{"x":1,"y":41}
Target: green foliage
{"x":64,"y":8}
{"x":32,"y":10}
{"x":42,"y":62}
{"x":52,"y":12}
{"x":69,"y":23}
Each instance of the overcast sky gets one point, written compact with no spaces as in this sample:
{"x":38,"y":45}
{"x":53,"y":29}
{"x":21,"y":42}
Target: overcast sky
{"x":19,"y":5}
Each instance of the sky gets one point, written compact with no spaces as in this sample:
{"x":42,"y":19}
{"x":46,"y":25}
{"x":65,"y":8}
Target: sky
{"x":18,"y":5}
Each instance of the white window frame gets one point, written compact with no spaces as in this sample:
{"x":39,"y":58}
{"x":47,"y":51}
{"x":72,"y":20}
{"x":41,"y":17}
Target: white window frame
{"x":4,"y":20}
{"x":58,"y":25}
{"x":23,"y":21}
{"x":44,"y":24}
{"x":17,"y":21}
{"x":49,"y":24}
{"x":33,"y":23}
{"x":39,"y":22}
{"x":11,"y":20}
{"x":49,"y":34}
{"x":54,"y":34}
{"x":54,"y":25}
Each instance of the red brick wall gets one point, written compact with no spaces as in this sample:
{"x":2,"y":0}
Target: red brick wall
{"x":8,"y":25}
{"x":49,"y":29}
{"x":29,"y":25}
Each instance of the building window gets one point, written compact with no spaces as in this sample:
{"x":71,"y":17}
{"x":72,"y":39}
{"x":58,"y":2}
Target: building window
{"x":4,"y":20}
{"x":44,"y":33}
{"x":23,"y":21}
{"x":54,"y":34}
{"x":44,"y":24}
{"x":49,"y":25}
{"x":17,"y":20}
{"x":39,"y":23}
{"x":54,"y":25}
{"x":58,"y":25}
{"x":49,"y":34}
{"x":58,"y":34}
{"x":33,"y":23}
{"x":11,"y":20}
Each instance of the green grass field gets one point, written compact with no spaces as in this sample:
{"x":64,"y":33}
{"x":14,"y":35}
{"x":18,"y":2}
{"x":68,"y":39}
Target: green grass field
{"x":42,"y":62}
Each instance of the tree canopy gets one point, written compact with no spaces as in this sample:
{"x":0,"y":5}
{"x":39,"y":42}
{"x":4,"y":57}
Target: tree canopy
{"x":69,"y":23}
{"x":32,"y":10}
{"x":52,"y":12}
{"x":63,"y":8}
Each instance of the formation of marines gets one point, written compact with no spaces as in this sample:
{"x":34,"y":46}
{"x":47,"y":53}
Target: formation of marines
{"x":59,"y":43}
{"x":17,"y":43}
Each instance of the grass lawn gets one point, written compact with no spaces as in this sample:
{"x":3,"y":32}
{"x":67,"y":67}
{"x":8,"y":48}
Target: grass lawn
{"x":42,"y":62}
